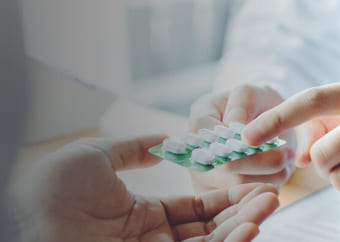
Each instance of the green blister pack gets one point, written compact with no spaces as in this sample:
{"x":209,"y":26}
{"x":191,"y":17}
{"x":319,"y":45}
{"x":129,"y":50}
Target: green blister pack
{"x":210,"y":148}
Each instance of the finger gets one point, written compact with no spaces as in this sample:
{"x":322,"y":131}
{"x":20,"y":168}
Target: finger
{"x":207,"y":111}
{"x":243,"y":233}
{"x":239,"y":108}
{"x":255,"y":212}
{"x":218,"y":179}
{"x":128,"y":154}
{"x":189,"y":230}
{"x":298,"y":109}
{"x":264,"y":163}
{"x":246,"y":102}
{"x":213,"y":179}
{"x":276,"y":179}
{"x":233,"y":210}
{"x":306,"y":135}
{"x":325,"y":153}
{"x":184,"y":231}
{"x":205,"y":206}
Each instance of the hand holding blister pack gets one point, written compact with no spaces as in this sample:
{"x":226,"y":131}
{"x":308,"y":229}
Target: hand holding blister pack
{"x":210,"y":148}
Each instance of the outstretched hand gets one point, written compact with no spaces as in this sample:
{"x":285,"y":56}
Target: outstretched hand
{"x":315,"y":113}
{"x":74,"y":194}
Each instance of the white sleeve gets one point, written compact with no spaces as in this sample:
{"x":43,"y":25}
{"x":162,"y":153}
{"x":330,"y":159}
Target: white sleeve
{"x":287,"y":44}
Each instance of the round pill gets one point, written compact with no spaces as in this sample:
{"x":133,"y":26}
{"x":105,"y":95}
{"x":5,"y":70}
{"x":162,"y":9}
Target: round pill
{"x":202,"y":156}
{"x":220,"y":149}
{"x":193,"y":140}
{"x":237,"y":145}
{"x":208,"y":135}
{"x":174,"y":146}
{"x":224,"y":131}
{"x":237,"y":127}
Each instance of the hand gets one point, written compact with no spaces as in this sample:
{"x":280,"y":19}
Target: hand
{"x":317,"y":112}
{"x":243,"y":105}
{"x":74,"y":194}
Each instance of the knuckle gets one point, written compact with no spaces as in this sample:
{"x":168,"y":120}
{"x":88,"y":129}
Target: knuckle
{"x":241,"y":179}
{"x":210,"y":227}
{"x":276,"y":121}
{"x":198,"y":206}
{"x":314,"y":98}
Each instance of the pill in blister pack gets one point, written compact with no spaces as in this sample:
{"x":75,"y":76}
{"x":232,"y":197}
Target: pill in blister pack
{"x":219,"y":149}
{"x":193,"y":140}
{"x":208,"y":135}
{"x":224,"y":131}
{"x":210,"y":148}
{"x":237,"y":145}
{"x":236,"y":127}
{"x":174,"y":146}
{"x":202,"y":156}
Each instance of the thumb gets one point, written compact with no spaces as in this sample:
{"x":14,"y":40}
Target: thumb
{"x":306,"y":135}
{"x":128,"y":154}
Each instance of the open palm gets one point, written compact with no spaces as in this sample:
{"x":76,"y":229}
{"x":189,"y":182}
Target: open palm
{"x":74,"y":194}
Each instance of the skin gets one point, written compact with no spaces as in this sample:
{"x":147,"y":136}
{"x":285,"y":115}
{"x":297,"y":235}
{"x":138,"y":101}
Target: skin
{"x":315,"y":114}
{"x":242,"y":104}
{"x":74,"y":194}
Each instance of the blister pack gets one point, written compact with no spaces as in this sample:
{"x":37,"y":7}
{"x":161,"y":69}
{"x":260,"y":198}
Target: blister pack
{"x":210,"y":148}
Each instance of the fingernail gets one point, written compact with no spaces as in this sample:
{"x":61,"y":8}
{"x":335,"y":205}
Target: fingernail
{"x":237,"y":114}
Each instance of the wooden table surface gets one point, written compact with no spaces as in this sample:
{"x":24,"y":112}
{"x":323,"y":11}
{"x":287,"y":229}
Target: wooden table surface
{"x":302,"y":183}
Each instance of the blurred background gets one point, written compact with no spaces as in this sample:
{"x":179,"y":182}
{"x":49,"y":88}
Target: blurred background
{"x":85,"y":55}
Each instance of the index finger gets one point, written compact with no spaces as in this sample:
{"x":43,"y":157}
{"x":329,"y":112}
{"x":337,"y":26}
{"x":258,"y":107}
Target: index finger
{"x":204,"y":207}
{"x":296,"y":110}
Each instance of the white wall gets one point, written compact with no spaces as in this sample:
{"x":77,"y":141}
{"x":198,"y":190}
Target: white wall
{"x":68,"y":40}
{"x":85,"y":38}
{"x":59,"y":105}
